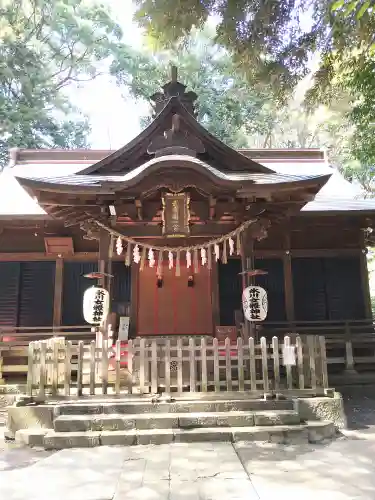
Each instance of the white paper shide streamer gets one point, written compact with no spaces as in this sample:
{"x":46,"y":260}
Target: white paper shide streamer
{"x":170,"y":260}
{"x":217,"y":252}
{"x":151,"y":258}
{"x":231,"y":246}
{"x":142,"y":252}
{"x":136,"y":254}
{"x":203,"y":256}
{"x":188,"y":259}
{"x":119,"y":247}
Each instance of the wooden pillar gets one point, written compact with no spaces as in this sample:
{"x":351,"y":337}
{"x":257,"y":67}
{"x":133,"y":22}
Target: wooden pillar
{"x":104,"y":245}
{"x":104,"y":253}
{"x":247,"y":263}
{"x":58,"y":292}
{"x":134,"y":297}
{"x":365,"y":284}
{"x":214,"y":276}
{"x":288,"y":281}
{"x":109,"y":266}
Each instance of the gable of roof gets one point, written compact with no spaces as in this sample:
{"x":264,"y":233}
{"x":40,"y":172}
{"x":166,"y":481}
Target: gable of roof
{"x":136,"y":152}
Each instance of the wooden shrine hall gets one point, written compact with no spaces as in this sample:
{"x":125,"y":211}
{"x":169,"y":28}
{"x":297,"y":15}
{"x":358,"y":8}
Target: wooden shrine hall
{"x":182,"y":223}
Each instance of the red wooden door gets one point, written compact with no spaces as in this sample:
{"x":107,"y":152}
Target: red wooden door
{"x":175,"y":308}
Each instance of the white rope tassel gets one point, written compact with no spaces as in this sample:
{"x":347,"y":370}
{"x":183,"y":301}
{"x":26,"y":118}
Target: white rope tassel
{"x":151,"y":258}
{"x":188,"y":259}
{"x":119,"y":247}
{"x":231,"y":246}
{"x":170,"y":260}
{"x":217,"y":252}
{"x":203,"y":256}
{"x":136,"y":254}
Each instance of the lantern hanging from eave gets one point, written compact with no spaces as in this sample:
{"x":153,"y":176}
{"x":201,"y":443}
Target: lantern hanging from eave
{"x":255,"y":303}
{"x":95,"y":305}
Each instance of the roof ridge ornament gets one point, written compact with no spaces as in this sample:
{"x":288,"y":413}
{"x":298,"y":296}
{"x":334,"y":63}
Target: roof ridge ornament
{"x":176,"y":141}
{"x":174,"y":88}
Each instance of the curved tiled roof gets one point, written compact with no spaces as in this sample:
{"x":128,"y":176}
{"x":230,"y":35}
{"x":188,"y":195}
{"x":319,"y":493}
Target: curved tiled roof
{"x":338,"y":194}
{"x":116,"y":181}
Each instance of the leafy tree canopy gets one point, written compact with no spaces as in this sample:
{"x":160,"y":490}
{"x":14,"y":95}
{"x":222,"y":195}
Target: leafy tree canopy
{"x":45,"y":46}
{"x":272,"y":41}
{"x":239,"y":114}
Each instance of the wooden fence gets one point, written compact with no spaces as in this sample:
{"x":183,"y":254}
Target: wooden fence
{"x":178,"y":365}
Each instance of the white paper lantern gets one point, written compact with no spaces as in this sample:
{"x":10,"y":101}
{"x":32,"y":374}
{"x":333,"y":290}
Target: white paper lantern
{"x":255,"y":303}
{"x":95,"y":305}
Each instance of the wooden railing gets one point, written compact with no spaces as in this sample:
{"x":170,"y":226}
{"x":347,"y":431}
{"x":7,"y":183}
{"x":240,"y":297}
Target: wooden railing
{"x":350,"y":345}
{"x":328,"y":327}
{"x":14,"y":343}
{"x":180,"y":365}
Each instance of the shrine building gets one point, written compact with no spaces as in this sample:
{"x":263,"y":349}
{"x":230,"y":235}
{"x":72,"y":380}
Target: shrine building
{"x":180,"y":224}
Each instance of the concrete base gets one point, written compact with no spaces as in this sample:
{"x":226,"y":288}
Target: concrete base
{"x":323,"y":408}
{"x":8,"y":395}
{"x":157,"y":421}
{"x":312,"y":432}
{"x":29,"y":417}
{"x":88,"y":423}
{"x":31,"y":437}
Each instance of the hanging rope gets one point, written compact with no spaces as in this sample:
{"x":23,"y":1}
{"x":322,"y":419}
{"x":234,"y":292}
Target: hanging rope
{"x":191,"y":248}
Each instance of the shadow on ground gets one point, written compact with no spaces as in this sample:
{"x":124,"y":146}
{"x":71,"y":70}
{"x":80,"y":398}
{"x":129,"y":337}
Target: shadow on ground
{"x":359,"y":404}
{"x":339,"y":470}
{"x":14,"y":456}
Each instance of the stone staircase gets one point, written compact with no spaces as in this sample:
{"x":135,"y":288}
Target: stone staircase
{"x":138,"y":421}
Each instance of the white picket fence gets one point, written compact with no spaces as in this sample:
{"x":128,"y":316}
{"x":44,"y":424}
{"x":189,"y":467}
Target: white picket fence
{"x":61,"y":368}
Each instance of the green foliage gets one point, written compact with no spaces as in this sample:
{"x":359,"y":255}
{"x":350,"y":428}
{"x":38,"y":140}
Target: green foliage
{"x":239,"y":114}
{"x":45,"y":46}
{"x":359,"y":7}
{"x":227,"y":106}
{"x":272,"y":43}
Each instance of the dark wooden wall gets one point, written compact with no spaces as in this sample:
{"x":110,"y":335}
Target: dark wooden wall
{"x":323,"y":289}
{"x":328,"y":289}
{"x":324,"y":255}
{"x":26,"y":293}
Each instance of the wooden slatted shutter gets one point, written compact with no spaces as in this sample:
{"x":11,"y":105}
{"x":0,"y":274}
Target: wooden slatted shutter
{"x":9,"y":292}
{"x":273,"y":283}
{"x":37,"y":280}
{"x":74,"y":287}
{"x":310,"y":301}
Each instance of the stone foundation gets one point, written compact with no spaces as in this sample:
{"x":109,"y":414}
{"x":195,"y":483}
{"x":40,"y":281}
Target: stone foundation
{"x":323,"y":408}
{"x":314,"y":409}
{"x":8,"y":396}
{"x":29,"y":417}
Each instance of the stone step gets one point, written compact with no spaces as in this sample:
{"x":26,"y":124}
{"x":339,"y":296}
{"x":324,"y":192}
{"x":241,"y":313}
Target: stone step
{"x":186,"y":406}
{"x":313,"y":432}
{"x":104,"y":422}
